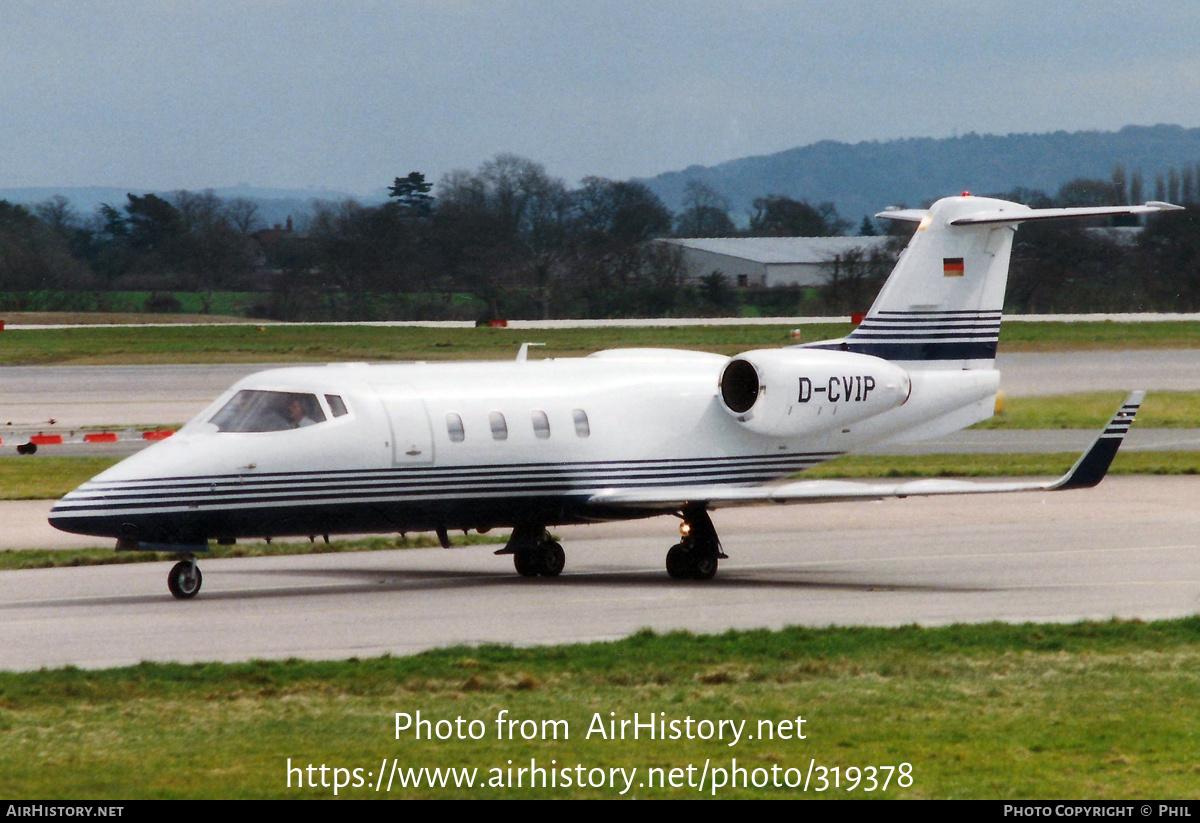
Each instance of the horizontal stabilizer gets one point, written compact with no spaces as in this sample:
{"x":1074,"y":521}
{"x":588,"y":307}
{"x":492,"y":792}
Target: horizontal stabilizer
{"x":1016,"y":213}
{"x":1021,"y":214}
{"x":1089,"y":470}
{"x":903,"y":215}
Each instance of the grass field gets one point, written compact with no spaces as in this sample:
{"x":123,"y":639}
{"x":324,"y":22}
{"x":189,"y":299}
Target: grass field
{"x":294,"y":343}
{"x":13,"y":559}
{"x":1093,"y":710}
{"x":279,"y":343}
{"x":1160,"y":410}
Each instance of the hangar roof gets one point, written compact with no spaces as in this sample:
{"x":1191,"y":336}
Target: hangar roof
{"x":781,"y":250}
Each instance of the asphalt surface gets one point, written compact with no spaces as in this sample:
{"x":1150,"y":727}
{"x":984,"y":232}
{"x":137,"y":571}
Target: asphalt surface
{"x":1129,"y":548}
{"x":77,"y":396}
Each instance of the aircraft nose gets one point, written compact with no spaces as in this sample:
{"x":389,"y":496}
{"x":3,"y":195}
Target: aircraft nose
{"x":80,"y":513}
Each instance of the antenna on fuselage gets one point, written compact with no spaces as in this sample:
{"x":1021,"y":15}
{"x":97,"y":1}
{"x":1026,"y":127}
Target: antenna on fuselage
{"x":523,"y":354}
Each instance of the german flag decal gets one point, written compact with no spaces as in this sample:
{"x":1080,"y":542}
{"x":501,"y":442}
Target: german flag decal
{"x":952,"y":266}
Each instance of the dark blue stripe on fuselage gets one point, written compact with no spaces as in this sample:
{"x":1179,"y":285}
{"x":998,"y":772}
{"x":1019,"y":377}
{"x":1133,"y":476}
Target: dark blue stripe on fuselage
{"x":340,"y":518}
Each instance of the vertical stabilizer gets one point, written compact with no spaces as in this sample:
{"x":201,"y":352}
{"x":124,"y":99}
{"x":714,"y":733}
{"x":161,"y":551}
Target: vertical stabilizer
{"x":940,"y":307}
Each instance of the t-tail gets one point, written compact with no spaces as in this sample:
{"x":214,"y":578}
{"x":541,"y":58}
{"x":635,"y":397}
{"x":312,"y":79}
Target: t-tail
{"x":940,"y":307}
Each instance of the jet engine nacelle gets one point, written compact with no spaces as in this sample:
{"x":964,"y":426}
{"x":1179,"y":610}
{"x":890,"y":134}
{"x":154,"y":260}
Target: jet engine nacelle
{"x":783,"y":392}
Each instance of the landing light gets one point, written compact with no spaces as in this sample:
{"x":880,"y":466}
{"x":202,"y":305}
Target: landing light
{"x":685,"y":529}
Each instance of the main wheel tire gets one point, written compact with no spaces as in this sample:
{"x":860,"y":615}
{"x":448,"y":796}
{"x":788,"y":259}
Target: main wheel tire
{"x":704,"y":566}
{"x":677,"y":562}
{"x":526,"y":562}
{"x":184,"y":580}
{"x":553,"y":559}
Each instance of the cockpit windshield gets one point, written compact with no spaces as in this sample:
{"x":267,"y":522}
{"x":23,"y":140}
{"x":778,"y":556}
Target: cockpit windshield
{"x":268,"y":411}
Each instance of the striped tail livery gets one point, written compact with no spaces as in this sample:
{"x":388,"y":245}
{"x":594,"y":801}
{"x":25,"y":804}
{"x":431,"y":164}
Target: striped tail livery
{"x":941,"y":306}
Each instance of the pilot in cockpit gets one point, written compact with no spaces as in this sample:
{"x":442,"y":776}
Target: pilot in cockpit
{"x":297,"y":415}
{"x":253,"y":410}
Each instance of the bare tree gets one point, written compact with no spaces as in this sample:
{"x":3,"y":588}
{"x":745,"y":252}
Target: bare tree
{"x":1136,"y":191}
{"x":58,"y":215}
{"x":504,"y":227}
{"x":1120,"y":186}
{"x":705,"y":212}
{"x":242,"y":214}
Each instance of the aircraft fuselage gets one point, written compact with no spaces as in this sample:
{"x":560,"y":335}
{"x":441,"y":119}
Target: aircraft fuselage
{"x":479,"y":445}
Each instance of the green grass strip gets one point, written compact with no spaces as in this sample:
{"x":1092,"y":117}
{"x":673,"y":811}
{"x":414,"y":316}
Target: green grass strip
{"x":1089,"y":710}
{"x":867,"y":467}
{"x":1103,"y":334}
{"x":47,"y":478}
{"x":288,"y":343}
{"x":285,"y":343}
{"x":13,"y":559}
{"x":1090,"y":410}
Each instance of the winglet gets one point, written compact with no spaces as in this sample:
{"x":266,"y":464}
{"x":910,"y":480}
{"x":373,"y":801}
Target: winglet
{"x":1093,"y":465}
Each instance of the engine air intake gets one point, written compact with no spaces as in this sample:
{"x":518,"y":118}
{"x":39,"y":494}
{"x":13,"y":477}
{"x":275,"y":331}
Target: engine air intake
{"x":739,"y":386}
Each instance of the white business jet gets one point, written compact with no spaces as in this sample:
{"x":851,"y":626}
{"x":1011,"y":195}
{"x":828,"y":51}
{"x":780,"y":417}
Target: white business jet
{"x":620,"y":434}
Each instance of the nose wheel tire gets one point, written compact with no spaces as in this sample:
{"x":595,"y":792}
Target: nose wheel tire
{"x":184,"y":580}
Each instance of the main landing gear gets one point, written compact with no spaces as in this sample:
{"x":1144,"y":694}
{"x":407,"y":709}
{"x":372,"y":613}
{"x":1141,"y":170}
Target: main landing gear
{"x":534,"y":553}
{"x":184,"y":579}
{"x":696,"y":555}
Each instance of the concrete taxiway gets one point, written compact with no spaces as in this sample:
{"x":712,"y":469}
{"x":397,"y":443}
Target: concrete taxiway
{"x":1129,"y":548}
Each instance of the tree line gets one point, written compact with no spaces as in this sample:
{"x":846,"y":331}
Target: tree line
{"x":510,"y":240}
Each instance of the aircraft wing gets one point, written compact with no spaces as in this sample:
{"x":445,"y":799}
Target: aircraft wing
{"x":1088,"y":470}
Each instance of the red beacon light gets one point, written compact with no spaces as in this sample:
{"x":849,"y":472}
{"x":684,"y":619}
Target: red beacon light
{"x":966,"y":194}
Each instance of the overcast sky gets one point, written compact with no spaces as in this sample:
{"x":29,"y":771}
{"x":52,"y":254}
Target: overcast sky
{"x":348,"y":95}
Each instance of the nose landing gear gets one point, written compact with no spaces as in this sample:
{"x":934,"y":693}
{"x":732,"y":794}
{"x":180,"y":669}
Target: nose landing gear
{"x":184,"y":579}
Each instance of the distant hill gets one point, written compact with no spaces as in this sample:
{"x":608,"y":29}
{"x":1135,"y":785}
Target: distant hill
{"x":863,"y":178}
{"x":274,"y":205}
{"x":859,"y":178}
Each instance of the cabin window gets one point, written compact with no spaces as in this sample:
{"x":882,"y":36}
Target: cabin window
{"x":499,"y":426}
{"x":336,"y":406}
{"x":454,"y":426}
{"x":541,"y":425}
{"x":582,"y":427}
{"x":268,"y":411}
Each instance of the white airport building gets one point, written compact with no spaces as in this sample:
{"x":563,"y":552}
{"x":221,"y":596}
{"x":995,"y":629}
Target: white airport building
{"x":772,"y":261}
